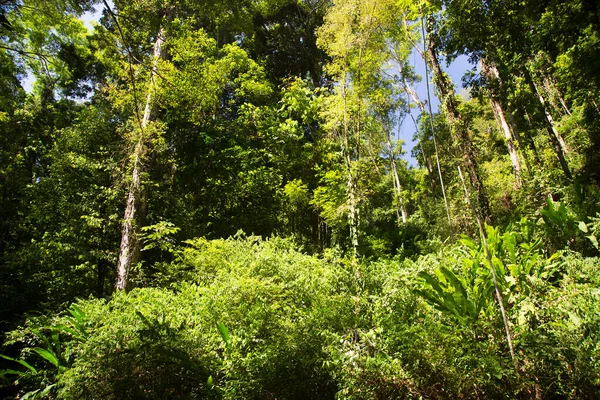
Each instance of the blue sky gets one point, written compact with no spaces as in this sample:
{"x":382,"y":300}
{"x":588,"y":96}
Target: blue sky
{"x":456,"y":70}
{"x":89,"y":18}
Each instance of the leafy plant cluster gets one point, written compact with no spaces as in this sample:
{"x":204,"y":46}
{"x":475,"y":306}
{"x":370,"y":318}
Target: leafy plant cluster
{"x":248,"y":318}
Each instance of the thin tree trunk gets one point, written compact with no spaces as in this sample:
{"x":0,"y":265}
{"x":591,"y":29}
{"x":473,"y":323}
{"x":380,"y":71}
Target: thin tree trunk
{"x":129,"y":248}
{"x":556,"y":140}
{"x":416,"y":98}
{"x":459,"y":129}
{"x":512,"y":150}
{"x":555,"y":96}
{"x":531,"y":142}
{"x":412,"y":93}
{"x":491,"y":71}
{"x":549,"y":119}
{"x":517,"y":134}
{"x":397,"y":184}
{"x":352,"y":206}
{"x":426,"y":159}
{"x":351,"y":185}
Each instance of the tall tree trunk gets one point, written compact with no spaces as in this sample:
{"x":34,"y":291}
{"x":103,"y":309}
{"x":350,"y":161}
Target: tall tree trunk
{"x":557,"y":141}
{"x":555,"y":96}
{"x":415,"y":97}
{"x":353,"y":211}
{"x":410,"y":91}
{"x":129,"y":248}
{"x":517,"y":134}
{"x":512,"y":150}
{"x":530,"y":142}
{"x":549,"y":119}
{"x":458,"y":126}
{"x":490,"y":70}
{"x":397,"y":184}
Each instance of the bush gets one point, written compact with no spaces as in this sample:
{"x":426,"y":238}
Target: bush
{"x":256,"y":319}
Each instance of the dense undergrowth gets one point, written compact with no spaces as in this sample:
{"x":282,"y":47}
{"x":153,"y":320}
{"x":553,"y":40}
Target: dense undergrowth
{"x":256,"y":319}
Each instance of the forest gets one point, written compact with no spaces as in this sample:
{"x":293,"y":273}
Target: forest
{"x":211,"y":199}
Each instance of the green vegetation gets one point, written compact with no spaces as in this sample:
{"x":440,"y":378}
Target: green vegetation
{"x":248,"y":318}
{"x":209,"y":200}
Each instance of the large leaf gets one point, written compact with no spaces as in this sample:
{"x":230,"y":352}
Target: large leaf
{"x":22,"y":362}
{"x":47,"y":355}
{"x":77,"y":319}
{"x":76,"y":334}
{"x":12,"y":372}
{"x":468,"y":242}
{"x":594,"y":241}
{"x":456,"y":283}
{"x":47,"y":390}
{"x":434,"y":301}
{"x":509,"y":241}
{"x":432,"y":282}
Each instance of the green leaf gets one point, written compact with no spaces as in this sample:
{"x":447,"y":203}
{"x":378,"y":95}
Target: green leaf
{"x":594,"y":241}
{"x":472,"y":309}
{"x":434,"y":301}
{"x":224,"y":333}
{"x":47,"y":390}
{"x":432,"y":282}
{"x":209,"y":382}
{"x":582,"y":227}
{"x":29,"y":395}
{"x":41,"y":336}
{"x":12,"y":372}
{"x":22,"y":362}
{"x":74,"y":333}
{"x":509,"y":240}
{"x":514,"y":270}
{"x":467,"y":241}
{"x":452,"y":278}
{"x":47,"y":355}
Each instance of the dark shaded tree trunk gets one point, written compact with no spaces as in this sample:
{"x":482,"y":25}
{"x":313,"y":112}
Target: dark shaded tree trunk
{"x":102,"y":273}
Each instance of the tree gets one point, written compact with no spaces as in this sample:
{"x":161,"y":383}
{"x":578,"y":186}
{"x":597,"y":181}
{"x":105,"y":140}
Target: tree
{"x":460,"y":130}
{"x":143,"y":133}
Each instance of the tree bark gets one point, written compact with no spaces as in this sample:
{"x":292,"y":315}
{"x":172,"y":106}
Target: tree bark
{"x":555,"y":96}
{"x":518,"y":136}
{"x":512,"y":150}
{"x":550,"y":120}
{"x":397,"y":184}
{"x":353,"y":211}
{"x":129,"y":248}
{"x":490,"y":70}
{"x":557,"y":141}
{"x":460,"y":132}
